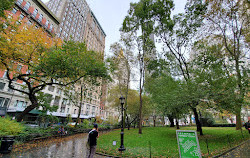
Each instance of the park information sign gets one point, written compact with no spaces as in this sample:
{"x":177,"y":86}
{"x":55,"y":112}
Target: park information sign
{"x":188,"y":144}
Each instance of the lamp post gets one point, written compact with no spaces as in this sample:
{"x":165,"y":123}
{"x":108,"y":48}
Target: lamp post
{"x":122,"y":100}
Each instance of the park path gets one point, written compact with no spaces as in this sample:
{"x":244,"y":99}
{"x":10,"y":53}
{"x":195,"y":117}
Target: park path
{"x":67,"y":147}
{"x":242,"y":151}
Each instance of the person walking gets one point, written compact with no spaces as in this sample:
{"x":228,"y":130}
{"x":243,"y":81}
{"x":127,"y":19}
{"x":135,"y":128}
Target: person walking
{"x":247,"y":126}
{"x":92,"y":141}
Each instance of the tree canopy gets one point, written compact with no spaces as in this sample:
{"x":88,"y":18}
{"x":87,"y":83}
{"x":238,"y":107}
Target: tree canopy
{"x":31,"y":56}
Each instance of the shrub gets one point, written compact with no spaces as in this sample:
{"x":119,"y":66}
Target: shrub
{"x":10,"y":127}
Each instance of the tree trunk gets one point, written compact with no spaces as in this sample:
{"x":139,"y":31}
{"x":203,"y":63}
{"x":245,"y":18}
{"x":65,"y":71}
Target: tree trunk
{"x":140,"y":111}
{"x":239,"y":102}
{"x":198,"y":123}
{"x":171,"y":119}
{"x":163,"y":121}
{"x":128,"y":123}
{"x":154,"y":118}
{"x":238,"y":119}
{"x":80,"y":105}
{"x":177,"y":123}
{"x":33,"y":105}
{"x":190,"y":119}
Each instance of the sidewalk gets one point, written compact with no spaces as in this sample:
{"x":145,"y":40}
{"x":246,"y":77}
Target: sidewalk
{"x":242,"y":151}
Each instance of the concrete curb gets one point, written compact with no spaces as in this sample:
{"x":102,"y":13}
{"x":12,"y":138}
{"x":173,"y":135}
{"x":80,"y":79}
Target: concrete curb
{"x":224,"y":153}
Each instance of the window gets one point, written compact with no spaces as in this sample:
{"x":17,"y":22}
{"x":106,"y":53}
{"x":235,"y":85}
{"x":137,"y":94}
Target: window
{"x":74,"y":111}
{"x":67,"y":110}
{"x":59,"y":91}
{"x":57,"y":100}
{"x":62,"y":110}
{"x":47,"y":23}
{"x":27,"y":5}
{"x":40,"y":18}
{"x":29,"y":22}
{"x":2,"y":85}
{"x":19,"y":103}
{"x":4,"y":102}
{"x":51,"y":88}
{"x":10,"y":90}
{"x":14,"y":10}
{"x":19,"y":2}
{"x":87,"y":113}
{"x":21,"y":16}
{"x":51,"y":27}
{"x":5,"y":74}
{"x":35,"y":13}
{"x":64,"y":102}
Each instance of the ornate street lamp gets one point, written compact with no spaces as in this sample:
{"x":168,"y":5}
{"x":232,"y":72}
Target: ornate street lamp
{"x":122,"y":100}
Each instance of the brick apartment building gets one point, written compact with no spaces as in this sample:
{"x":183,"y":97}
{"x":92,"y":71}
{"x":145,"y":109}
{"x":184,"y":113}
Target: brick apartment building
{"x":67,"y":19}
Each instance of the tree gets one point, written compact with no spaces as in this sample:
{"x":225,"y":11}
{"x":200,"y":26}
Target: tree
{"x":178,"y":34}
{"x":170,"y":95}
{"x":44,"y":101}
{"x":214,"y":68}
{"x":77,"y":93}
{"x":122,"y":63}
{"x":132,"y":103}
{"x":139,"y":19}
{"x":229,"y":20}
{"x":5,"y":5}
{"x":30,"y":56}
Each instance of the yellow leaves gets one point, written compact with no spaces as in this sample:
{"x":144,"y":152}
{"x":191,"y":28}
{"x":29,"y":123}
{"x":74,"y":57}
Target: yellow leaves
{"x":24,"y":44}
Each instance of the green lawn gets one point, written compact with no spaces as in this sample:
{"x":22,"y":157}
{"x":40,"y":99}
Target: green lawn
{"x":164,"y":144}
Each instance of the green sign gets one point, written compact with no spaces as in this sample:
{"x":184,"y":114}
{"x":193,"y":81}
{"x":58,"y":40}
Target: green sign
{"x":188,"y":144}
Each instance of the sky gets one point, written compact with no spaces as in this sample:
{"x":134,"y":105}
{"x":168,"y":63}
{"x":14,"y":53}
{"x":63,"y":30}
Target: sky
{"x":111,"y":13}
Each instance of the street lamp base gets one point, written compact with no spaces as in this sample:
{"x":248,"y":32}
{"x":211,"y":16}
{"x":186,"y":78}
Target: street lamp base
{"x":121,"y":149}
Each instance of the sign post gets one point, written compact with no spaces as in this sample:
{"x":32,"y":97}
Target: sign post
{"x":188,"y":144}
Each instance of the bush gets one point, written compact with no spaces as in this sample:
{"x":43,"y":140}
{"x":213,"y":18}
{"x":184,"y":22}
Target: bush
{"x":10,"y":127}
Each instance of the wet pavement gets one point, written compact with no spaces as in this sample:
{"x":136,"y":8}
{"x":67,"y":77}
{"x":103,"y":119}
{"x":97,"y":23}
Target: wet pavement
{"x":242,"y":151}
{"x":67,"y":147}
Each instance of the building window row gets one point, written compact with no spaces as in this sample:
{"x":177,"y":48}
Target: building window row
{"x":4,"y":102}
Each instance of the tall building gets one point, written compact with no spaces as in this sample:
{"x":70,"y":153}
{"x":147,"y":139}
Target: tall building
{"x":66,"y":19}
{"x":78,"y":23}
{"x":31,"y":12}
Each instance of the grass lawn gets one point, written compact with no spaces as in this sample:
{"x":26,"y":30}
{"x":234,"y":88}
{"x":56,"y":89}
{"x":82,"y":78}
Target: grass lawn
{"x":164,"y":144}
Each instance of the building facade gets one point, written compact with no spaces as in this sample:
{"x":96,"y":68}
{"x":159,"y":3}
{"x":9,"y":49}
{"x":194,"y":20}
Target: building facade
{"x":67,"y":19}
{"x":30,"y":12}
{"x":79,"y":23}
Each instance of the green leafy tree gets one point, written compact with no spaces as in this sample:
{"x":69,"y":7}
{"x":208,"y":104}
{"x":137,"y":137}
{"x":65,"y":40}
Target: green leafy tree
{"x":170,"y":95}
{"x":177,"y":35}
{"x":44,"y":61}
{"x":5,"y":5}
{"x":139,"y":18}
{"x":44,"y":101}
{"x":214,"y":68}
{"x":77,"y":93}
{"x":229,"y":20}
{"x":132,"y":104}
{"x":121,"y":64}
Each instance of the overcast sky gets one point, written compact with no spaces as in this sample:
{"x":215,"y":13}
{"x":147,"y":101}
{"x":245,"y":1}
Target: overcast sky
{"x":110,"y":14}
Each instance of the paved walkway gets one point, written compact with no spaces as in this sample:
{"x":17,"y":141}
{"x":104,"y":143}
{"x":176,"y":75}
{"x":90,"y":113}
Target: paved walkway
{"x":67,"y":147}
{"x":242,"y":151}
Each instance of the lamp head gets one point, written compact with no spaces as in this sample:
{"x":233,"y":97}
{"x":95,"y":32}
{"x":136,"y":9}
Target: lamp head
{"x":122,"y":100}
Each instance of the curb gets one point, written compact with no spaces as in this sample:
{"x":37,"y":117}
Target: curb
{"x":224,"y":153}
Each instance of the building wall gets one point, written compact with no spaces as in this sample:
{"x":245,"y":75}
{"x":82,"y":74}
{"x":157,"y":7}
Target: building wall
{"x":79,"y":23}
{"x":77,"y":20}
{"x":35,"y":12}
